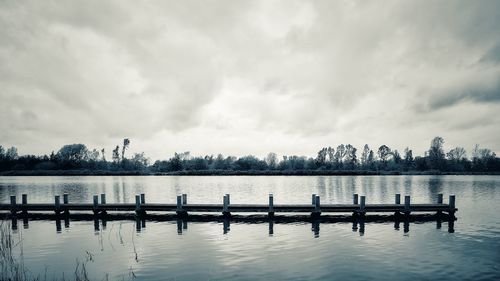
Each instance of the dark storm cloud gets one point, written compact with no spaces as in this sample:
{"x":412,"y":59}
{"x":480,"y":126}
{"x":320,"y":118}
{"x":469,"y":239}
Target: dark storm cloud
{"x":247,"y":76}
{"x":492,"y":56}
{"x":475,"y":91}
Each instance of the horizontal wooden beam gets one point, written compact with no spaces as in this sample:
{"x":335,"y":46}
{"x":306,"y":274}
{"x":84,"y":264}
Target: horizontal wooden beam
{"x":293,"y":208}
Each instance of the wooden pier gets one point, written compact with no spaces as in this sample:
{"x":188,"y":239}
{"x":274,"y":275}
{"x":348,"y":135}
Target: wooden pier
{"x":181,"y":208}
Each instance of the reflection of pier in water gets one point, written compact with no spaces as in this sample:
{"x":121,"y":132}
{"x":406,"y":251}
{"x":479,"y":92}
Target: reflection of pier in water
{"x":361,"y":212}
{"x":359,"y":223}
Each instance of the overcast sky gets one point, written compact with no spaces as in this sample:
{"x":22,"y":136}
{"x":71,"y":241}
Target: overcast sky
{"x":248,"y":77}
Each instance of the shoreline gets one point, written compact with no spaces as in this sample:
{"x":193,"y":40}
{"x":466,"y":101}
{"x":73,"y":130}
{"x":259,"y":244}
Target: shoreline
{"x":236,"y":173}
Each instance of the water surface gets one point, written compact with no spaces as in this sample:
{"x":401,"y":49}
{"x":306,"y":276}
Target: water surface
{"x":164,"y":250}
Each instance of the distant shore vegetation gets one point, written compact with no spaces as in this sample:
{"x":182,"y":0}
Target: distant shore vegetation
{"x":77,"y":159}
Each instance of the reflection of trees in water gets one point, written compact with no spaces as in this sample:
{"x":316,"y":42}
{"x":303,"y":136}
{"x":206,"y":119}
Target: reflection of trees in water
{"x":350,"y":186}
{"x":365,"y":187}
{"x":177,"y":186}
{"x":435,"y":186}
{"x":78,"y":191}
{"x":338,"y":186}
{"x":407,"y":184}
{"x":117,"y":186}
{"x":435,"y":182}
{"x":331,"y":191}
{"x":321,"y":186}
{"x":486,"y":186}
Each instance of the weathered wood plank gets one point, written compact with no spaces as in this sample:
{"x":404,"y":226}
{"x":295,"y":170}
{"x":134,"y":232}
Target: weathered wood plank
{"x":181,"y":206}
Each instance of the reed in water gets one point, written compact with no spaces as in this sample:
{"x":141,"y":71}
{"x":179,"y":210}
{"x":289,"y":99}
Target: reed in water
{"x":12,"y":267}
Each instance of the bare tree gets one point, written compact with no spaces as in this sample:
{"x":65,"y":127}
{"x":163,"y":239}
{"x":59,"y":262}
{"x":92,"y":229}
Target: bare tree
{"x":383,"y":153}
{"x":126,"y":143}
{"x":330,"y":152}
{"x":457,"y":154}
{"x":408,"y":158}
{"x":116,"y":154}
{"x":340,"y":154}
{"x":364,"y":155}
{"x":321,"y":158}
{"x":350,"y":156}
{"x":272,"y":160}
{"x":436,"y":153}
{"x":11,"y":153}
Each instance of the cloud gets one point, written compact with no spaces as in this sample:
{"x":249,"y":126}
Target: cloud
{"x":246,"y":76}
{"x":478,"y":87}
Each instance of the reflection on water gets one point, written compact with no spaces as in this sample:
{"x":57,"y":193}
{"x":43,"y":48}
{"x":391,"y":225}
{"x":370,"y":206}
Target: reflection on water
{"x":162,"y":247}
{"x":358,"y":222}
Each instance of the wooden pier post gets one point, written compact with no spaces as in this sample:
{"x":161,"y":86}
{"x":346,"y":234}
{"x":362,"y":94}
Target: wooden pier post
{"x":225,"y":206}
{"x":361,"y":226}
{"x":66,"y":222}
{"x":451,"y":225}
{"x":57,"y":204}
{"x":317,"y":207}
{"x":315,"y":228}
{"x":179,"y":226}
{"x":355,"y":202}
{"x":438,"y":223}
{"x":228,"y":199}
{"x":65,"y":203}
{"x":406,"y":225}
{"x":58,"y":225}
{"x":138,"y":208}
{"x":451,"y":202}
{"x":179,"y":204}
{"x":226,"y":225}
{"x":96,"y":204}
{"x":14,"y":223}
{"x":397,"y":201}
{"x":358,"y":208}
{"x":271,"y":205}
{"x":26,"y":224}
{"x":397,"y":222}
{"x":179,"y":209}
{"x":96,"y":225}
{"x":13,"y":205}
{"x":24,"y":202}
{"x":313,"y":199}
{"x":143,"y":198}
{"x":103,"y":202}
{"x":407,"y":205}
{"x":137,"y":203}
{"x":440,"y":201}
{"x":362,"y":205}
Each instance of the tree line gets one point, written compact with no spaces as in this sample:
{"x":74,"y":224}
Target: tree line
{"x":343,"y":158}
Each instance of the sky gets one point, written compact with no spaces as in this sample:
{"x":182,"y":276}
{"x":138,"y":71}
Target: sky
{"x":249,"y":77}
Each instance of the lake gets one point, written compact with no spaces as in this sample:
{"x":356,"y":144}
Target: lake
{"x":160,"y":250}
